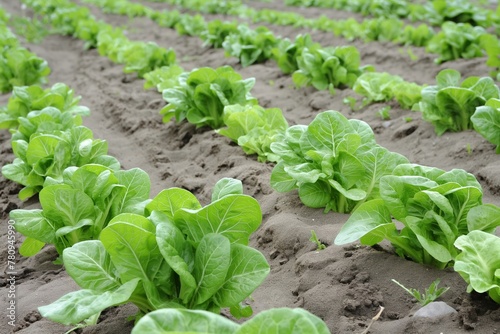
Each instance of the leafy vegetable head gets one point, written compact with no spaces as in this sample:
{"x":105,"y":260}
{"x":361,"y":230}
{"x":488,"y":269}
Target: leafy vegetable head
{"x":254,"y":128}
{"x":486,"y":121}
{"x":25,"y":99}
{"x":479,"y":262}
{"x":250,"y":46}
{"x":435,"y":207}
{"x":78,"y":206}
{"x":334,"y":162}
{"x":450,"y":104}
{"x":202,"y":94}
{"x":181,"y":256}
{"x":49,"y":154}
{"x":276,"y":320}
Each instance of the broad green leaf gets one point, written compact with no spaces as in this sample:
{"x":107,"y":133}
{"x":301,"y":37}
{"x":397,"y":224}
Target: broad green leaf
{"x":89,"y":264}
{"x":33,"y":224}
{"x":180,"y":321}
{"x":247,"y":270}
{"x":284,"y":321}
{"x":177,"y":253}
{"x":78,"y":306}
{"x":171,"y":200}
{"x":30,"y":247}
{"x":281,"y":181}
{"x":234,"y":216}
{"x":483,"y":217}
{"x":137,"y":187}
{"x":366,"y":219}
{"x":479,"y":261}
{"x":486,"y":121}
{"x":211,"y":265}
{"x":130,"y":241}
{"x":315,"y":195}
{"x":226,"y":186}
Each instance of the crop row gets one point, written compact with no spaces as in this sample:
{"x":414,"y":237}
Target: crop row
{"x":18,"y":66}
{"x":449,"y":106}
{"x":453,"y":41}
{"x":331,"y":173}
{"x":436,"y":11}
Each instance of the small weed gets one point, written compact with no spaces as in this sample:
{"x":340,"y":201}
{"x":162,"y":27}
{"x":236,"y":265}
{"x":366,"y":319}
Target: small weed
{"x":431,"y":293}
{"x":469,"y":149}
{"x":384,"y":113}
{"x":314,"y":238}
{"x":351,"y":102}
{"x":408,"y":119}
{"x":271,"y":83}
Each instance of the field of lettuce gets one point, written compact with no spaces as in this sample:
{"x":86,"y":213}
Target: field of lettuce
{"x":279,"y":166}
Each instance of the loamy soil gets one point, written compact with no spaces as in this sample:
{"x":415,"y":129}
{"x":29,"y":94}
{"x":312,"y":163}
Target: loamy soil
{"x":345,"y":286}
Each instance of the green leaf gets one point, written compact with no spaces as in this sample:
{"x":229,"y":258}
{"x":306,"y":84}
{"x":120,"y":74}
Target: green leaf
{"x":315,"y":195}
{"x":30,"y":247}
{"x":284,"y":320}
{"x":89,"y":264}
{"x":248,"y":268}
{"x":169,"y":201}
{"x":184,"y":321}
{"x":131,"y":242}
{"x":177,"y":253}
{"x":234,"y":216}
{"x":226,"y":186}
{"x":78,"y":306}
{"x":479,"y":261}
{"x":212,"y":260}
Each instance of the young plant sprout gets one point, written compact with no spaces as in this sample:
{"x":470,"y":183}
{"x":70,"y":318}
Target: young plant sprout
{"x":431,"y":293}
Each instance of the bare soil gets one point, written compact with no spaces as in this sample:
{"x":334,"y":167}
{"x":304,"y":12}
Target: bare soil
{"x":345,"y":286}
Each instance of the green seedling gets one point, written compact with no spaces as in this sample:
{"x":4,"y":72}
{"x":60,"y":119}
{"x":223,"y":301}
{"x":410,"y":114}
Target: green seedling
{"x":431,"y":293}
{"x":351,"y":102}
{"x":319,"y":244}
{"x":408,"y":119}
{"x":384,"y":113}
{"x":469,"y":149}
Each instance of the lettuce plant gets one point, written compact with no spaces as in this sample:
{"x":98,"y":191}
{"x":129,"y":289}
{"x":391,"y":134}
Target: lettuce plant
{"x":202,"y":94}
{"x":479,"y":262}
{"x":286,"y":52}
{"x":25,"y":99}
{"x":334,"y":162}
{"x":163,"y":78}
{"x":450,"y":104}
{"x":486,"y":121}
{"x":276,"y":320}
{"x":435,"y":208}
{"x":78,"y":206}
{"x":190,"y":25}
{"x":328,"y":68}
{"x":49,"y":154}
{"x":250,"y":45}
{"x":376,"y":86}
{"x":254,"y":128}
{"x":20,"y":67}
{"x":182,"y":256}
{"x":455,"y":41}
{"x":217,"y":31}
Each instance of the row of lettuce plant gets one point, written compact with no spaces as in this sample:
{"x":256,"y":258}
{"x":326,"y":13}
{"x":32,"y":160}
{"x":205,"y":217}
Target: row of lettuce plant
{"x":340,"y":190}
{"x":455,"y":40}
{"x":18,"y":66}
{"x":435,"y":12}
{"x":303,"y":58}
{"x":311,"y":64}
{"x":70,"y":19}
{"x":100,"y":217}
